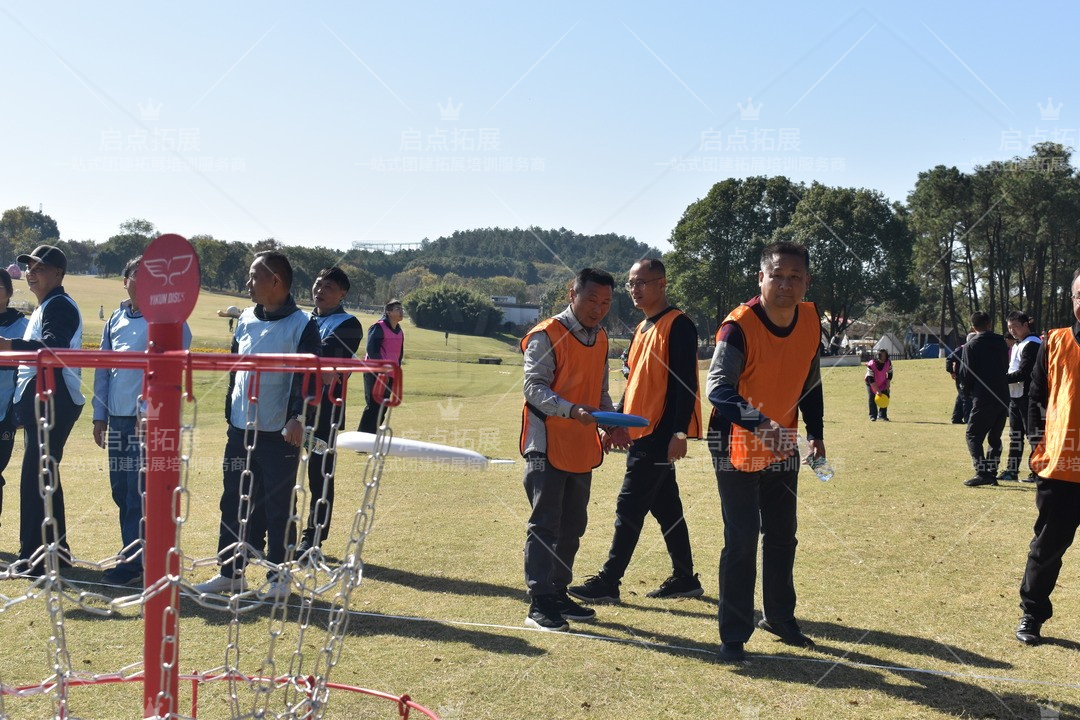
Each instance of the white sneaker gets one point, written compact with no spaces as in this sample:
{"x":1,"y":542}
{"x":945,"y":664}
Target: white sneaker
{"x":276,"y":588}
{"x":221,"y":584}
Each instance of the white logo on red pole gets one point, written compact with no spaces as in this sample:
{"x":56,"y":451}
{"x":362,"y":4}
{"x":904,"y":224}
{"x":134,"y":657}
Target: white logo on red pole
{"x":171,"y":295}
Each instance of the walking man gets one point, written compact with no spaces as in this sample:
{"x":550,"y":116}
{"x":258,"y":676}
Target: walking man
{"x":662,"y":386}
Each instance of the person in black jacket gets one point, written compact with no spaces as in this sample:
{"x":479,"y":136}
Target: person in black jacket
{"x":962,"y":405}
{"x":982,"y":374}
{"x":1021,"y":363}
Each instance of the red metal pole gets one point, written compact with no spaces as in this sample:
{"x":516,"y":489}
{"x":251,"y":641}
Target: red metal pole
{"x":161,"y":648}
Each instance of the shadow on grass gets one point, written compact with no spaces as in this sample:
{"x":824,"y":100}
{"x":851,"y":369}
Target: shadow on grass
{"x":369,"y":625}
{"x":436,"y":583}
{"x":959,"y":696}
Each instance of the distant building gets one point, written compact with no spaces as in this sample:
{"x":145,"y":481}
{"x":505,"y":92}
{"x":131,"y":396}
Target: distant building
{"x":515,"y":313}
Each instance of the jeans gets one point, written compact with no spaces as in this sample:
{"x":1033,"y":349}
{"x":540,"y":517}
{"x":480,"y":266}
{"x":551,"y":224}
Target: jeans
{"x":754,"y":503}
{"x":125,"y":460}
{"x":649,"y":486}
{"x":560,"y":504}
{"x":257,"y":509}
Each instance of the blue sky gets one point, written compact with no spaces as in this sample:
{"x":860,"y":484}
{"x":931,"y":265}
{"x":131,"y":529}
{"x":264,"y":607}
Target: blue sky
{"x":320,"y":124}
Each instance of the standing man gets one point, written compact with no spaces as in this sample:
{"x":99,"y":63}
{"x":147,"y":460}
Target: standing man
{"x":764,"y":372}
{"x":662,"y":386}
{"x":56,"y":323}
{"x":257,"y":495}
{"x":1021,"y":364}
{"x":340,"y":333}
{"x":1054,"y":427}
{"x":386,"y":341}
{"x":566,"y":379}
{"x":116,"y":426}
{"x":962,"y":404}
{"x":982,"y":375}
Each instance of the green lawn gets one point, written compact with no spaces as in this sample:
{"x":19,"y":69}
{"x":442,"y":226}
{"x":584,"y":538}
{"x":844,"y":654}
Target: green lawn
{"x":907,"y":579}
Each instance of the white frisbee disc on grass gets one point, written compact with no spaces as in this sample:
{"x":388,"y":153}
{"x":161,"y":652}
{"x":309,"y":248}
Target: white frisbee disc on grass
{"x":405,"y":448}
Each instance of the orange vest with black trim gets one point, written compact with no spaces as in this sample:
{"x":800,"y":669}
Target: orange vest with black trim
{"x":579,"y":378}
{"x":1057,"y":457}
{"x":772,"y":379}
{"x":647,"y":385}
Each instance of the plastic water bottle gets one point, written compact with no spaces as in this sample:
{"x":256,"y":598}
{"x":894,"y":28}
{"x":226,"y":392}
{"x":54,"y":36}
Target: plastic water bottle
{"x":314,"y":445}
{"x":821,"y":467}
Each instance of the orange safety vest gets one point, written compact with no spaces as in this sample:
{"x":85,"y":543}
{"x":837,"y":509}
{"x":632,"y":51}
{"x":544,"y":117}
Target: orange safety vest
{"x":579,"y":378}
{"x":1057,"y":457}
{"x":772,"y":379}
{"x":647,"y":384}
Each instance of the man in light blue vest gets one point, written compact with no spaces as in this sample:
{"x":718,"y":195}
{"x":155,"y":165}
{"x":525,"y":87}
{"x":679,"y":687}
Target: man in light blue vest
{"x":116,"y":427}
{"x":56,"y":323}
{"x":272,"y":425}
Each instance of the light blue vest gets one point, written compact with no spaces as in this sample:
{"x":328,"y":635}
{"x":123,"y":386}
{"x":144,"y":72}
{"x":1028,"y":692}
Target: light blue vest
{"x":116,"y":392}
{"x":329,"y":323}
{"x":72,"y":376}
{"x":7,"y":375}
{"x":255,"y":336}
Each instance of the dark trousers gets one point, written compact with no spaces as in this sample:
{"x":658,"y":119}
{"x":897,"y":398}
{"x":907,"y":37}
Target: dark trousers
{"x":1018,"y":408}
{"x":373,"y":410}
{"x":1058,"y":503}
{"x":33,"y":532}
{"x":874,"y":409}
{"x":985,"y":424}
{"x":754,"y":503}
{"x":560,"y":504}
{"x":961,"y":406}
{"x":7,"y":443}
{"x":257,"y":509}
{"x":649,"y":486}
{"x":321,"y":470}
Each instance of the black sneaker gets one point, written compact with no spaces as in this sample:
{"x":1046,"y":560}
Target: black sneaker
{"x":544,"y":614}
{"x":788,"y":632}
{"x":570,"y":610}
{"x":981,"y":480}
{"x":122,"y":577}
{"x":679,"y":586}
{"x":731,"y":652}
{"x":1009,"y":476}
{"x":1030,"y":478}
{"x":595,"y":589}
{"x":1028,"y":631}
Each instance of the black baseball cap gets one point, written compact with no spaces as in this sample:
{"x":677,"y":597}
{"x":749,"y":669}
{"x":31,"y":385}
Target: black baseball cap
{"x":46,"y":255}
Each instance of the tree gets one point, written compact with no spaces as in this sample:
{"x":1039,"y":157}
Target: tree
{"x":81,"y":255}
{"x":860,"y":249}
{"x":452,"y":309}
{"x":23,"y":229}
{"x":718,"y":241}
{"x":133,"y":240}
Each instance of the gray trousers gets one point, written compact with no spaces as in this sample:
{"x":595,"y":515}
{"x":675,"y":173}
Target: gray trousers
{"x":560,"y":504}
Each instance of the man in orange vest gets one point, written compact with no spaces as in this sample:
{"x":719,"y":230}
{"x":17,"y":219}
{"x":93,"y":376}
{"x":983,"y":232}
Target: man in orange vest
{"x":1054,"y":432}
{"x":764,"y":372}
{"x":566,"y":380}
{"x":662,"y":386}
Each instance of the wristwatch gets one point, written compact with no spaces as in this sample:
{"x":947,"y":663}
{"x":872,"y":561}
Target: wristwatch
{"x":680,"y":435}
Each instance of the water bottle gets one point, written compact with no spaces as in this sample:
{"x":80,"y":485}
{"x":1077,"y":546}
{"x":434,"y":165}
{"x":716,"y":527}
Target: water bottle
{"x":821,"y":467}
{"x":314,"y":445}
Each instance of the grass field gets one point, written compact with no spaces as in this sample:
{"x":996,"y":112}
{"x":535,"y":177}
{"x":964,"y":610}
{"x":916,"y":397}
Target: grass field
{"x":907,"y":579}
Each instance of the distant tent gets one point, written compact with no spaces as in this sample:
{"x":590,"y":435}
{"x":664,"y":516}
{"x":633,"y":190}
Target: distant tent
{"x":890,"y":344}
{"x":14,"y":271}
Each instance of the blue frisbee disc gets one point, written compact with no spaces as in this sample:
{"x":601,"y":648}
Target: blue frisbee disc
{"x":620,"y":419}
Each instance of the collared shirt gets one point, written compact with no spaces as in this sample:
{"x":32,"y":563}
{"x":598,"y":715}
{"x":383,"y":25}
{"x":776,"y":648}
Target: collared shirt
{"x":540,"y":373}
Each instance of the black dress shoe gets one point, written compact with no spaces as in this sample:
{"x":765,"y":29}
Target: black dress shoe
{"x":981,"y":480}
{"x":731,"y":652}
{"x":788,"y":632}
{"x":1028,"y":631}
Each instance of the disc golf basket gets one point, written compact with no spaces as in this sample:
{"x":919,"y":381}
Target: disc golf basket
{"x":278,"y":651}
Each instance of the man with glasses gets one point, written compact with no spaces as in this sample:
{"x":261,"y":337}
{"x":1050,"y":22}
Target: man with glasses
{"x":662,"y":385}
{"x":56,"y":323}
{"x":1054,"y":429}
